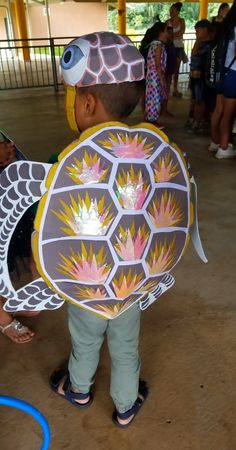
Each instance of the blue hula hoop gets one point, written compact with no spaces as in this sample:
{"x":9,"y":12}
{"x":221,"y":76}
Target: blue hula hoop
{"x":29,"y":409}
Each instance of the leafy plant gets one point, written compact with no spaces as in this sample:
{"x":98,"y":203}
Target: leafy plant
{"x":140,"y":16}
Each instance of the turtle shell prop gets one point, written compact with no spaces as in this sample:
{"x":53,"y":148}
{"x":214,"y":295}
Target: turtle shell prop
{"x":113,"y":222}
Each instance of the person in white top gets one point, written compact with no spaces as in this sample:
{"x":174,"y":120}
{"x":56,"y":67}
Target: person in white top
{"x":178,"y":25}
{"x":225,"y":111}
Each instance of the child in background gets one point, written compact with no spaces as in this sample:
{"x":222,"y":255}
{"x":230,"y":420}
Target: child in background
{"x":156,"y":87}
{"x":148,"y":39}
{"x":170,"y":68}
{"x":9,"y":326}
{"x":198,"y":86}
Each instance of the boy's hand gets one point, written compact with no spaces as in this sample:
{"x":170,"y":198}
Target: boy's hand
{"x":7,"y":153}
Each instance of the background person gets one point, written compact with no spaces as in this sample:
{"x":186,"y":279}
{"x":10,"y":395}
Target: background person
{"x":178,"y":25}
{"x":224,"y":113}
{"x":222,"y":13}
{"x":170,"y":69}
{"x":199,"y":90}
{"x":149,"y":37}
{"x":156,"y":87}
{"x":229,"y":87}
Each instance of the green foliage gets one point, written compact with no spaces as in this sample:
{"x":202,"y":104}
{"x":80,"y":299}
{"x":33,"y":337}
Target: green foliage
{"x":141,"y":16}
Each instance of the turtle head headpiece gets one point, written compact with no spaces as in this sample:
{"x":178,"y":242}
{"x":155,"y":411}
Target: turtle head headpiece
{"x":99,"y":58}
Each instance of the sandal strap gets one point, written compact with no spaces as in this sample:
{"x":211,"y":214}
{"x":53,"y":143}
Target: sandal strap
{"x":16,"y":325}
{"x":143,"y":391}
{"x":70,"y":394}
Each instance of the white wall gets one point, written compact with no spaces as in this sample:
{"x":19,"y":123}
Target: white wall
{"x":68,"y":19}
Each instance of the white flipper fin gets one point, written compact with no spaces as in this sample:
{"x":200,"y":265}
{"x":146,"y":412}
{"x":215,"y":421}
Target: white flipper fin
{"x":21,"y":184}
{"x":152,"y":296}
{"x":194,"y":230}
{"x":35,"y":296}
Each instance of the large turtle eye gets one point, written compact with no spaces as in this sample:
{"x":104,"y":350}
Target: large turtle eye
{"x":71,"y":56}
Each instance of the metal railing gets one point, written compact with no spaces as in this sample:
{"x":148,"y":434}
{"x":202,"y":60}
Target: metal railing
{"x":36,"y":62}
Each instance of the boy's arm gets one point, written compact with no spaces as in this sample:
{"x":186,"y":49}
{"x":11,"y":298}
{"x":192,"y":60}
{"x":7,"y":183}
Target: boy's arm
{"x":196,"y":47}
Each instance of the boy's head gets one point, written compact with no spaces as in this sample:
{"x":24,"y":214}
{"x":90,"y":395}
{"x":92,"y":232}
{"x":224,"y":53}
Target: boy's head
{"x":104,"y":75}
{"x":203,"y":28}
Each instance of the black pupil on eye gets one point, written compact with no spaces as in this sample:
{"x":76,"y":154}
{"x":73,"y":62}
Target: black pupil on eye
{"x":67,"y":56}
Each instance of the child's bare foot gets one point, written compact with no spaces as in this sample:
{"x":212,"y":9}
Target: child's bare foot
{"x":60,"y":383}
{"x":17,"y":332}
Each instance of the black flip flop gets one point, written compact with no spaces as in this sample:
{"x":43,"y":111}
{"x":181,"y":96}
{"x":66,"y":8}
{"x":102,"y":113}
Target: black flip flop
{"x":143,"y":391}
{"x":69,"y":395}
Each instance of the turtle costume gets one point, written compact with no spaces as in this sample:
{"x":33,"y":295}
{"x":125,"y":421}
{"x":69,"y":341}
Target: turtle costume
{"x":114,"y":219}
{"x":116,"y":210}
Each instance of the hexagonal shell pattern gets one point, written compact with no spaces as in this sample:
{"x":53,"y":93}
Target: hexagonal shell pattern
{"x":100,"y":251}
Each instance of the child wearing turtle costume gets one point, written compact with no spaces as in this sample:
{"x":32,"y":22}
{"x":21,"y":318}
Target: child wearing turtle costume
{"x":114,"y":219}
{"x":107,"y":94}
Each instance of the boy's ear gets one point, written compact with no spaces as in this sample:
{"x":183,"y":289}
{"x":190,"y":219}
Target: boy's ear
{"x":89,"y":104}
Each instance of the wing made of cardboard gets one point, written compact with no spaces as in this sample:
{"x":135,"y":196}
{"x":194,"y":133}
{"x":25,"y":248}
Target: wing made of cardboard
{"x":21,"y":184}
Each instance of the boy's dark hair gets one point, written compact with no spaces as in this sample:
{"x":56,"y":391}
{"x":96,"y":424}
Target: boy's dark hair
{"x":204,"y":23}
{"x":119,"y":100}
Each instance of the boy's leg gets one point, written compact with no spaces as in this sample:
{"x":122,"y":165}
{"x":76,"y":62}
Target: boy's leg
{"x":87,"y":335}
{"x":123,"y":343}
{"x":216,"y":119}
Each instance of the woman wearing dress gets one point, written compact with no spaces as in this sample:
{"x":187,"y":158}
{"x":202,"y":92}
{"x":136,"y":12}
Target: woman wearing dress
{"x":156,"y":87}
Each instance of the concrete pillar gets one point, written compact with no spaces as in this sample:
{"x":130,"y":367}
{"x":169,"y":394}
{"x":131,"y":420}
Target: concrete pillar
{"x":22,"y":26}
{"x":122,"y":16}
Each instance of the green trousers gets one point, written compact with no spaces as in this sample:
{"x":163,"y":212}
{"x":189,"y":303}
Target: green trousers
{"x":87,"y":334}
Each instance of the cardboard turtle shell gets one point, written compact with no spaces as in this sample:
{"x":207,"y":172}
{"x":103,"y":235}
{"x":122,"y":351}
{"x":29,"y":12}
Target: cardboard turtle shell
{"x":115,"y":219}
